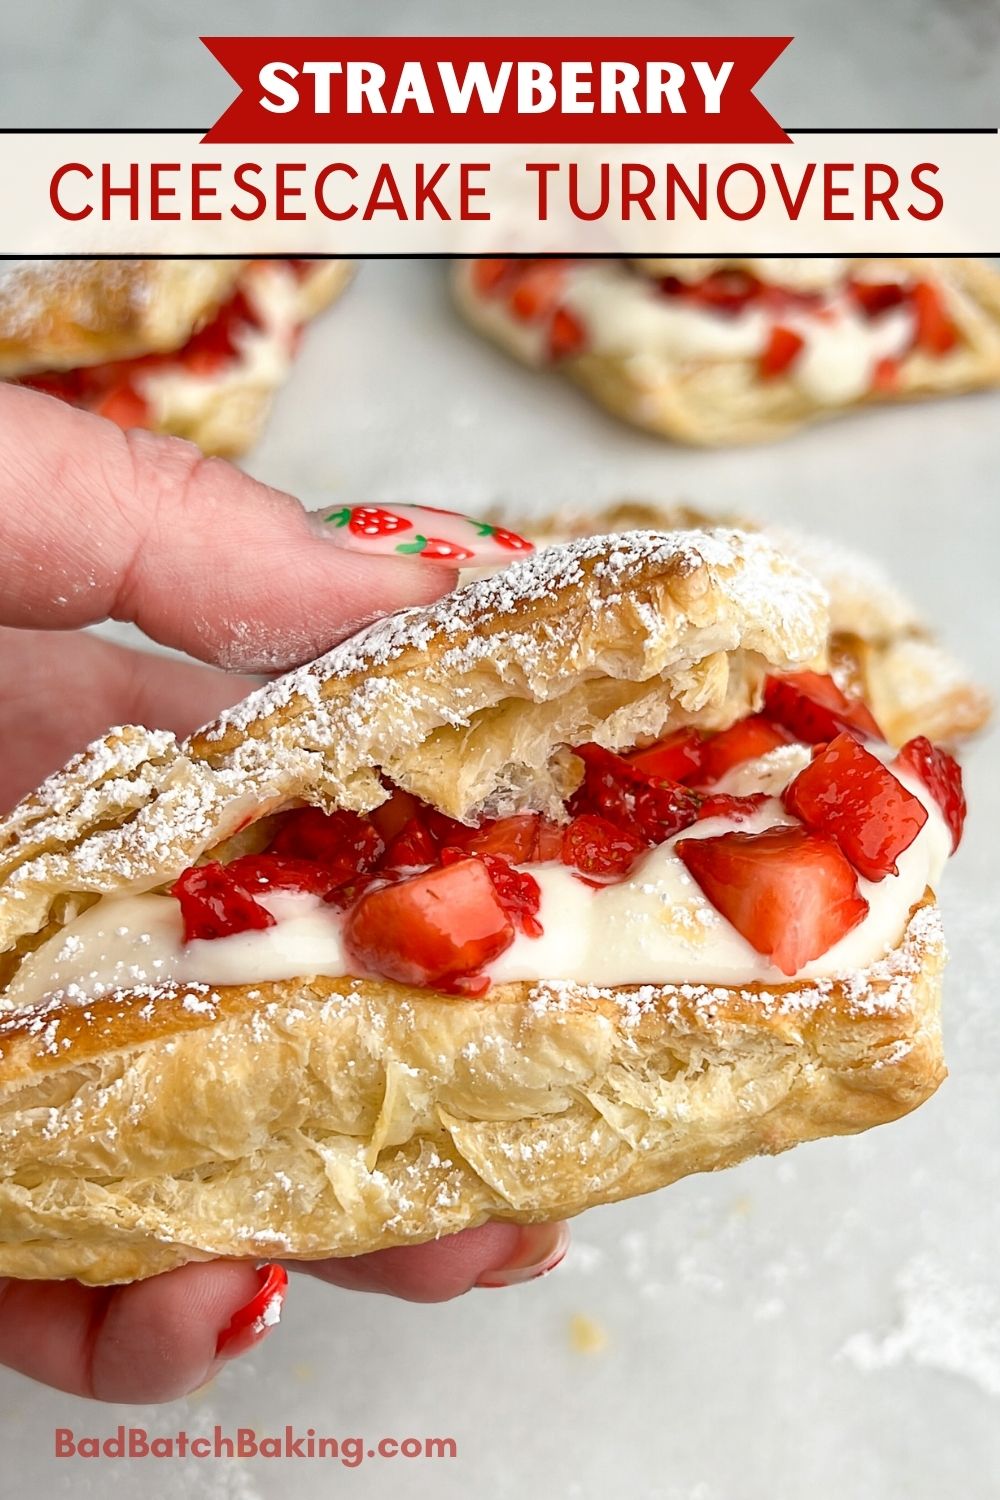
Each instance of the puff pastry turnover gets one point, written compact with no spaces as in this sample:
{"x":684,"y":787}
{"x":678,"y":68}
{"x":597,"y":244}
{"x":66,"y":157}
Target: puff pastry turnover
{"x":711,"y":352}
{"x":148,"y":1121}
{"x":194,"y":348}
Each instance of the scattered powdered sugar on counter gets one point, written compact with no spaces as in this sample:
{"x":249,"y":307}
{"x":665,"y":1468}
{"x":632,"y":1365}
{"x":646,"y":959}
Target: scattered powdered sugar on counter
{"x":943,"y":1325}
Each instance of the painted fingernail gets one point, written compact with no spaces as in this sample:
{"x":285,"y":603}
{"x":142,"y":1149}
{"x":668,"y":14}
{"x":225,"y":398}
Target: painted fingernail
{"x":254,"y":1319}
{"x":419,"y":531}
{"x":539,"y":1250}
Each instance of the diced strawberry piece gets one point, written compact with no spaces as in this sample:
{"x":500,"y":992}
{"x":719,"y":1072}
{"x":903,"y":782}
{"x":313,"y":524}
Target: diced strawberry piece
{"x":747,"y":739}
{"x":514,"y":838}
{"x":596,"y":847}
{"x":520,"y":894}
{"x":875,"y":297}
{"x":124,"y":406}
{"x":725,"y":291}
{"x":813,"y":708}
{"x":846,"y":793}
{"x":567,"y":335}
{"x":391,"y":817}
{"x":345,"y":843}
{"x":789,"y":892}
{"x":446,"y":830}
{"x":279,"y":872}
{"x":537,"y":289}
{"x":487,"y":274}
{"x":942,"y":776}
{"x":550,"y":841}
{"x":675,"y":758}
{"x":411,"y":849}
{"x":433,"y":929}
{"x":936,"y":333}
{"x":885,"y":376}
{"x":782,"y":348}
{"x":216,"y":343}
{"x":214,"y":903}
{"x":724,"y":805}
{"x":650,"y":809}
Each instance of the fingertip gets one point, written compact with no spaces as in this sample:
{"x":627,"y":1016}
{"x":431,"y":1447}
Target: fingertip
{"x":159,"y":1338}
{"x":494,"y":1254}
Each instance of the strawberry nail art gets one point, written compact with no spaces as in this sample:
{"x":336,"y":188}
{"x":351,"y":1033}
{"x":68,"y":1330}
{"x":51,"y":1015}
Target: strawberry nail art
{"x":251,"y":1322}
{"x":423,"y":531}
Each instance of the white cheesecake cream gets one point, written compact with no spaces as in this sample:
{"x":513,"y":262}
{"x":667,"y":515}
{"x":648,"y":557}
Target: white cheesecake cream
{"x":625,"y":315}
{"x":654,"y":927}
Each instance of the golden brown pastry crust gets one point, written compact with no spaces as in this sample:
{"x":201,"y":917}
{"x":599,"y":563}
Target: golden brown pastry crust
{"x":323,"y":1117}
{"x":880,"y":647}
{"x":225,"y":416}
{"x":57,"y":315}
{"x":331,"y":1117}
{"x":714,"y":402}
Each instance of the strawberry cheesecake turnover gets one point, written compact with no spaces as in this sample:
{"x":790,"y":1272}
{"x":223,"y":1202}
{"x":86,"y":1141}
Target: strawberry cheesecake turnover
{"x":196,"y":348}
{"x":582,"y":879}
{"x":741,"y":350}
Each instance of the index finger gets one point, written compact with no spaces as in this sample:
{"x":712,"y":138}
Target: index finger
{"x":97,"y":523}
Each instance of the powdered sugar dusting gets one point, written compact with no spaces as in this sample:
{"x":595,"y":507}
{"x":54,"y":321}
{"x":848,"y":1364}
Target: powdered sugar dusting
{"x":771,"y":591}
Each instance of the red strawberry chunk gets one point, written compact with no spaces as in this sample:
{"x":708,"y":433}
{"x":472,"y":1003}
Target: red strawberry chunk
{"x":537,"y":289}
{"x":745,"y":740}
{"x":594,"y":846}
{"x":411,"y":849}
{"x":814,"y":709}
{"x":725,"y":291}
{"x":124,"y":406}
{"x":550,"y":841}
{"x":936,"y":333}
{"x":677,"y":757}
{"x":346,"y":844}
{"x":846,"y":793}
{"x":650,"y":809}
{"x":723,"y":805}
{"x":279,"y":872}
{"x":942,"y":776}
{"x":391,"y":817}
{"x":876,"y":297}
{"x":789,"y":892}
{"x":216,"y":904}
{"x":489,"y":272}
{"x":782,"y":348}
{"x":433,"y":929}
{"x":520,"y":894}
{"x":566,"y":334}
{"x":514,"y":838}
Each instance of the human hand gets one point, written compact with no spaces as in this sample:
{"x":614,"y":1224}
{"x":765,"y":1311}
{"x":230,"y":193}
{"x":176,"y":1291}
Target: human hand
{"x":95,"y":523}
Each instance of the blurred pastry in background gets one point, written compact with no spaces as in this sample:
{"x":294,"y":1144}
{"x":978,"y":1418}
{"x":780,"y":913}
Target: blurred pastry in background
{"x":192,"y":347}
{"x":880,"y":647}
{"x":743,"y":350}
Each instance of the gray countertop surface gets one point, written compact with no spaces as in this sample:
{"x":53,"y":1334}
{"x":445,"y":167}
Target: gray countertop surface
{"x":826,"y":1324}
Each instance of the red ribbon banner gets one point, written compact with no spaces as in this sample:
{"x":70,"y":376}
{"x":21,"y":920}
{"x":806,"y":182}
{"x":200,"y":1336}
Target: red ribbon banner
{"x":528,"y":90}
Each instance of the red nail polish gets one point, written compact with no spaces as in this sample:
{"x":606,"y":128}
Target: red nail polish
{"x":251,"y":1322}
{"x":540,"y":1249}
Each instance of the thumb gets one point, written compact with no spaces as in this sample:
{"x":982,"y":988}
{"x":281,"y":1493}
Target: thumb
{"x":95,"y":522}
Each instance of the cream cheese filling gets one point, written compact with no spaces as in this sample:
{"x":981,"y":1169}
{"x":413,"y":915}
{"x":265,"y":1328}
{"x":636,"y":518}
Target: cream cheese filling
{"x":263,"y":356}
{"x":624,"y":315}
{"x":654,"y":927}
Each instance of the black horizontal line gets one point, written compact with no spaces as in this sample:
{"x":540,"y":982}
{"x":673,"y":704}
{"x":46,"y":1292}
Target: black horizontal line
{"x":520,"y":255}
